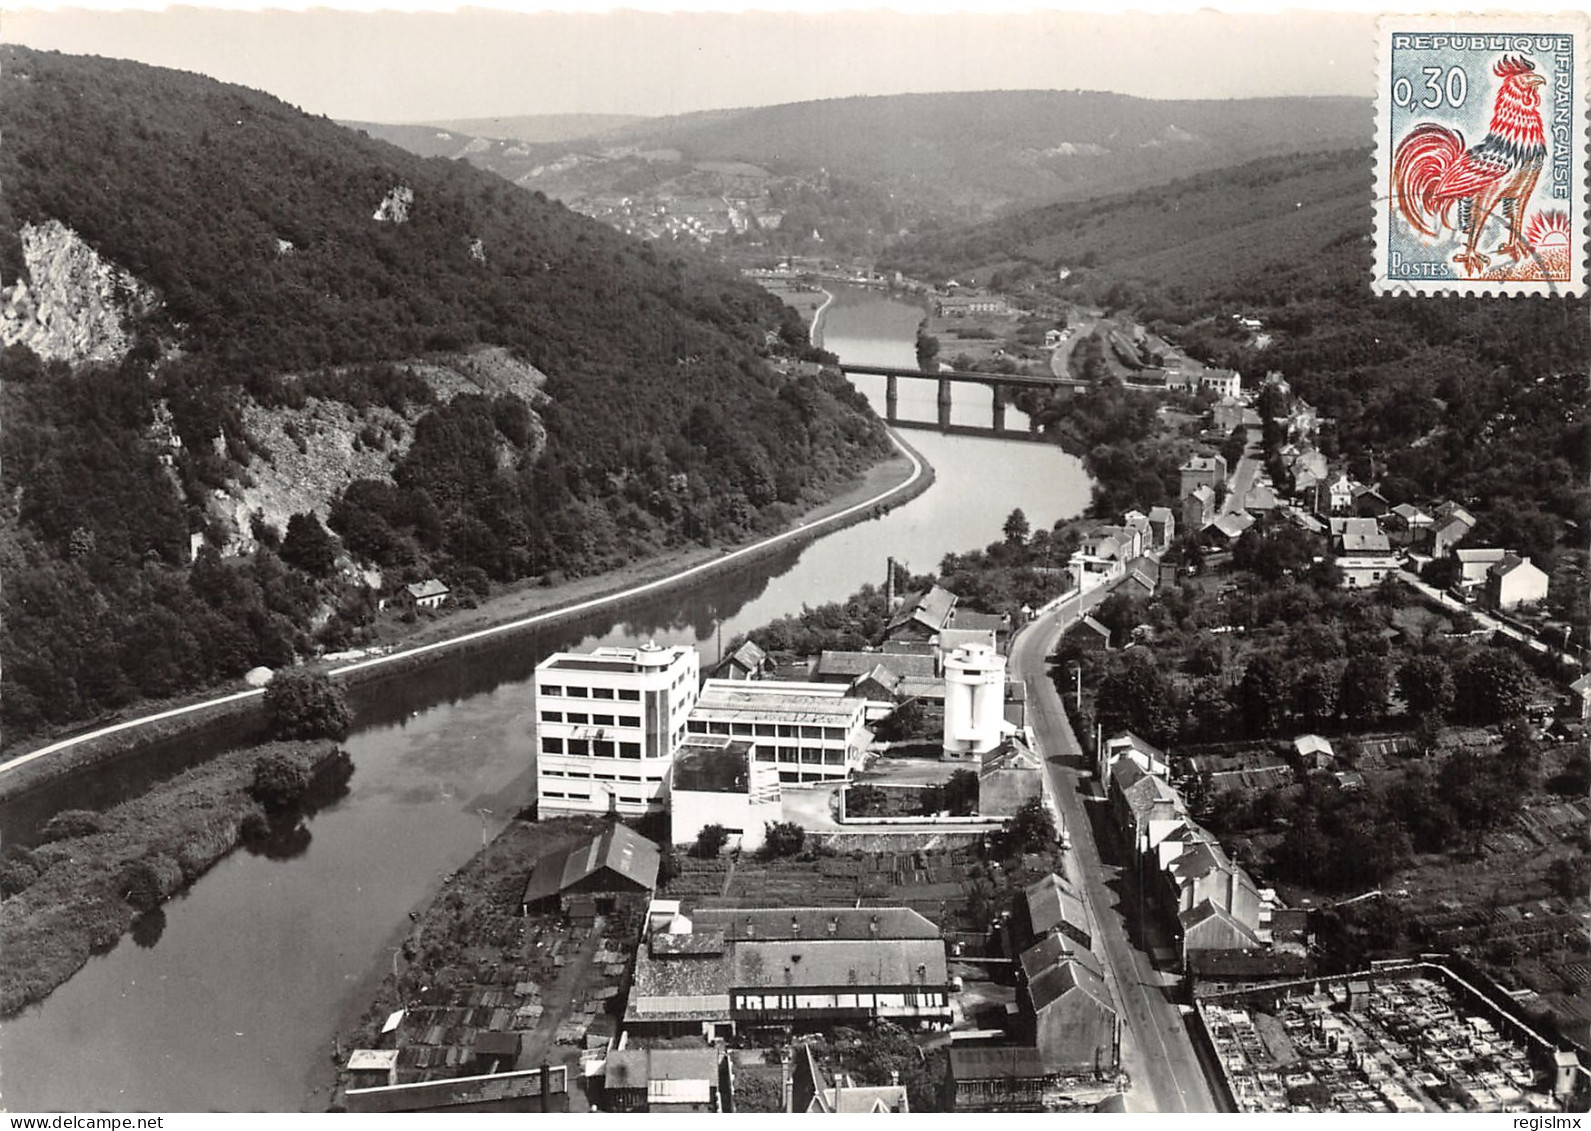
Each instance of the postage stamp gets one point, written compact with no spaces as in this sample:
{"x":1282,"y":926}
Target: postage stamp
{"x":1481,"y":155}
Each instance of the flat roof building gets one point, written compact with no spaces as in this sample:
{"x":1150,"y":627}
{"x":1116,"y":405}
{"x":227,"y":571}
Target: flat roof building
{"x":813,"y":732}
{"x":607,"y":725}
{"x":717,"y":780}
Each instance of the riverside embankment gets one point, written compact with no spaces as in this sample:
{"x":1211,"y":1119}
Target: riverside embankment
{"x":263,"y":960}
{"x":233,"y":716}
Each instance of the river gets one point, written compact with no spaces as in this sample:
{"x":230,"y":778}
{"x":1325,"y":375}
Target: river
{"x":233,"y":1003}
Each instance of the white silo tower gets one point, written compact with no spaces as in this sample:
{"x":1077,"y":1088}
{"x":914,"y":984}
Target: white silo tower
{"x":974,"y":701}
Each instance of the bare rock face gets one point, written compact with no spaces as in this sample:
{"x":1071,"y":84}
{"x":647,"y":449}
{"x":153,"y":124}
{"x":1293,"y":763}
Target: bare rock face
{"x":75,"y":306}
{"x":317,"y":450}
{"x":394,"y":207}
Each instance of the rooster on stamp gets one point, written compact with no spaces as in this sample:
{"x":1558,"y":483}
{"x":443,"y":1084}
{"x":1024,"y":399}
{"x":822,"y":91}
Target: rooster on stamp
{"x":1481,"y":155}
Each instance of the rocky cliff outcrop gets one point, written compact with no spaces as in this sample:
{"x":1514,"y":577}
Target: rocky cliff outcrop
{"x":74,"y":306}
{"x":317,"y":450}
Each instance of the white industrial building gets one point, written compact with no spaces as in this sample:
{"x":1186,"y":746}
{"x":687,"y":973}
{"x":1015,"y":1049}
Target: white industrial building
{"x":813,"y":732}
{"x":608,"y":723}
{"x":718,"y":781}
{"x":974,"y":702}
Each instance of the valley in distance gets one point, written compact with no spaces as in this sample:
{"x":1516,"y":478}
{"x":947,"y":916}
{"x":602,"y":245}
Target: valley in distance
{"x":1260,"y":784}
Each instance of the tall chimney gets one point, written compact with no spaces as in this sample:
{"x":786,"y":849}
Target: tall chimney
{"x":889,"y":588}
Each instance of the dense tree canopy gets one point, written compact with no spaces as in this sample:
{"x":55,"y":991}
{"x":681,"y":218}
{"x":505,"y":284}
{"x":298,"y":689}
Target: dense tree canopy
{"x":660,"y":423}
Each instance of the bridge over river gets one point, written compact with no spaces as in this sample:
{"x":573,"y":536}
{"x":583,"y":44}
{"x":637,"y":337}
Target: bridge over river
{"x":999,"y":384}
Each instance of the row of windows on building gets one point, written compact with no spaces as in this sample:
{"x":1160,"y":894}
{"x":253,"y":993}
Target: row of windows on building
{"x":766,"y":730}
{"x":628,"y":694}
{"x":797,"y":754}
{"x":590,"y":748}
{"x":775,"y":1002}
{"x":585,"y":717}
{"x":582,"y":775}
{"x":623,"y":798}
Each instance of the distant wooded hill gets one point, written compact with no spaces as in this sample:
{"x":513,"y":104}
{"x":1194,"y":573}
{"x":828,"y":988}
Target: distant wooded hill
{"x":933,"y":159}
{"x":540,"y":127}
{"x":495,"y":144}
{"x":989,"y":150}
{"x":287,"y":259}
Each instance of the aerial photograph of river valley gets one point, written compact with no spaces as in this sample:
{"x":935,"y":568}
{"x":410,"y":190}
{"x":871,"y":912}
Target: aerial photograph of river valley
{"x":846,"y":562}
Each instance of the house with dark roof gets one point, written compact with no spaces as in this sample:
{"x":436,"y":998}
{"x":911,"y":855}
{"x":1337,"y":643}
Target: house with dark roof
{"x":922,"y":616}
{"x":1198,"y":508}
{"x":1204,"y":874}
{"x":618,"y":862}
{"x":1144,"y":806}
{"x":1071,"y":1016}
{"x":729,"y":969}
{"x":880,"y":688}
{"x":1054,"y":907}
{"x":847,"y":667}
{"x":1091,"y":636}
{"x":1408,"y":525}
{"x":814,"y":1092}
{"x":1009,"y":776}
{"x":1208,"y":927}
{"x":677,"y":1081}
{"x":1364,"y":560}
{"x":1000,"y":1078}
{"x":1143,"y":577}
{"x":1054,"y":947}
{"x":746,"y":662}
{"x":1162,"y":528}
{"x":1451,"y":525}
{"x":1148,"y":757}
{"x":1216,"y":971}
{"x":1229,"y":527}
{"x":1513,"y":581}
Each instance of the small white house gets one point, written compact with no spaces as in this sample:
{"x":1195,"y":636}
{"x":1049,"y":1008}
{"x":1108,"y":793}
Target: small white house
{"x":1513,"y":581}
{"x":427,"y":594}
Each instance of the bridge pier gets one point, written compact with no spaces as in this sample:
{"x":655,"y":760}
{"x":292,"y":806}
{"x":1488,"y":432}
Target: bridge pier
{"x":892,"y":398}
{"x":944,"y":402}
{"x":999,"y":407}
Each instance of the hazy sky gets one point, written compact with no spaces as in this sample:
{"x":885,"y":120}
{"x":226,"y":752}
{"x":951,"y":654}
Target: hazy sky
{"x":418,"y":66}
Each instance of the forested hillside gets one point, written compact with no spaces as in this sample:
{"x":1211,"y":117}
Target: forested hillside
{"x":291,"y":260}
{"x":969,"y":154}
{"x":1481,"y":400}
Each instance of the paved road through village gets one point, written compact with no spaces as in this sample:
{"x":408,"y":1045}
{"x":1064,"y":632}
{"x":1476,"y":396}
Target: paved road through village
{"x":1156,"y":1048}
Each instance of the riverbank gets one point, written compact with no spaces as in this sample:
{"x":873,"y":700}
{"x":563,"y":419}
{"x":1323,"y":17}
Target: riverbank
{"x":883,"y":487}
{"x":815,"y":330}
{"x":91,"y":889}
{"x":467,"y":942}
